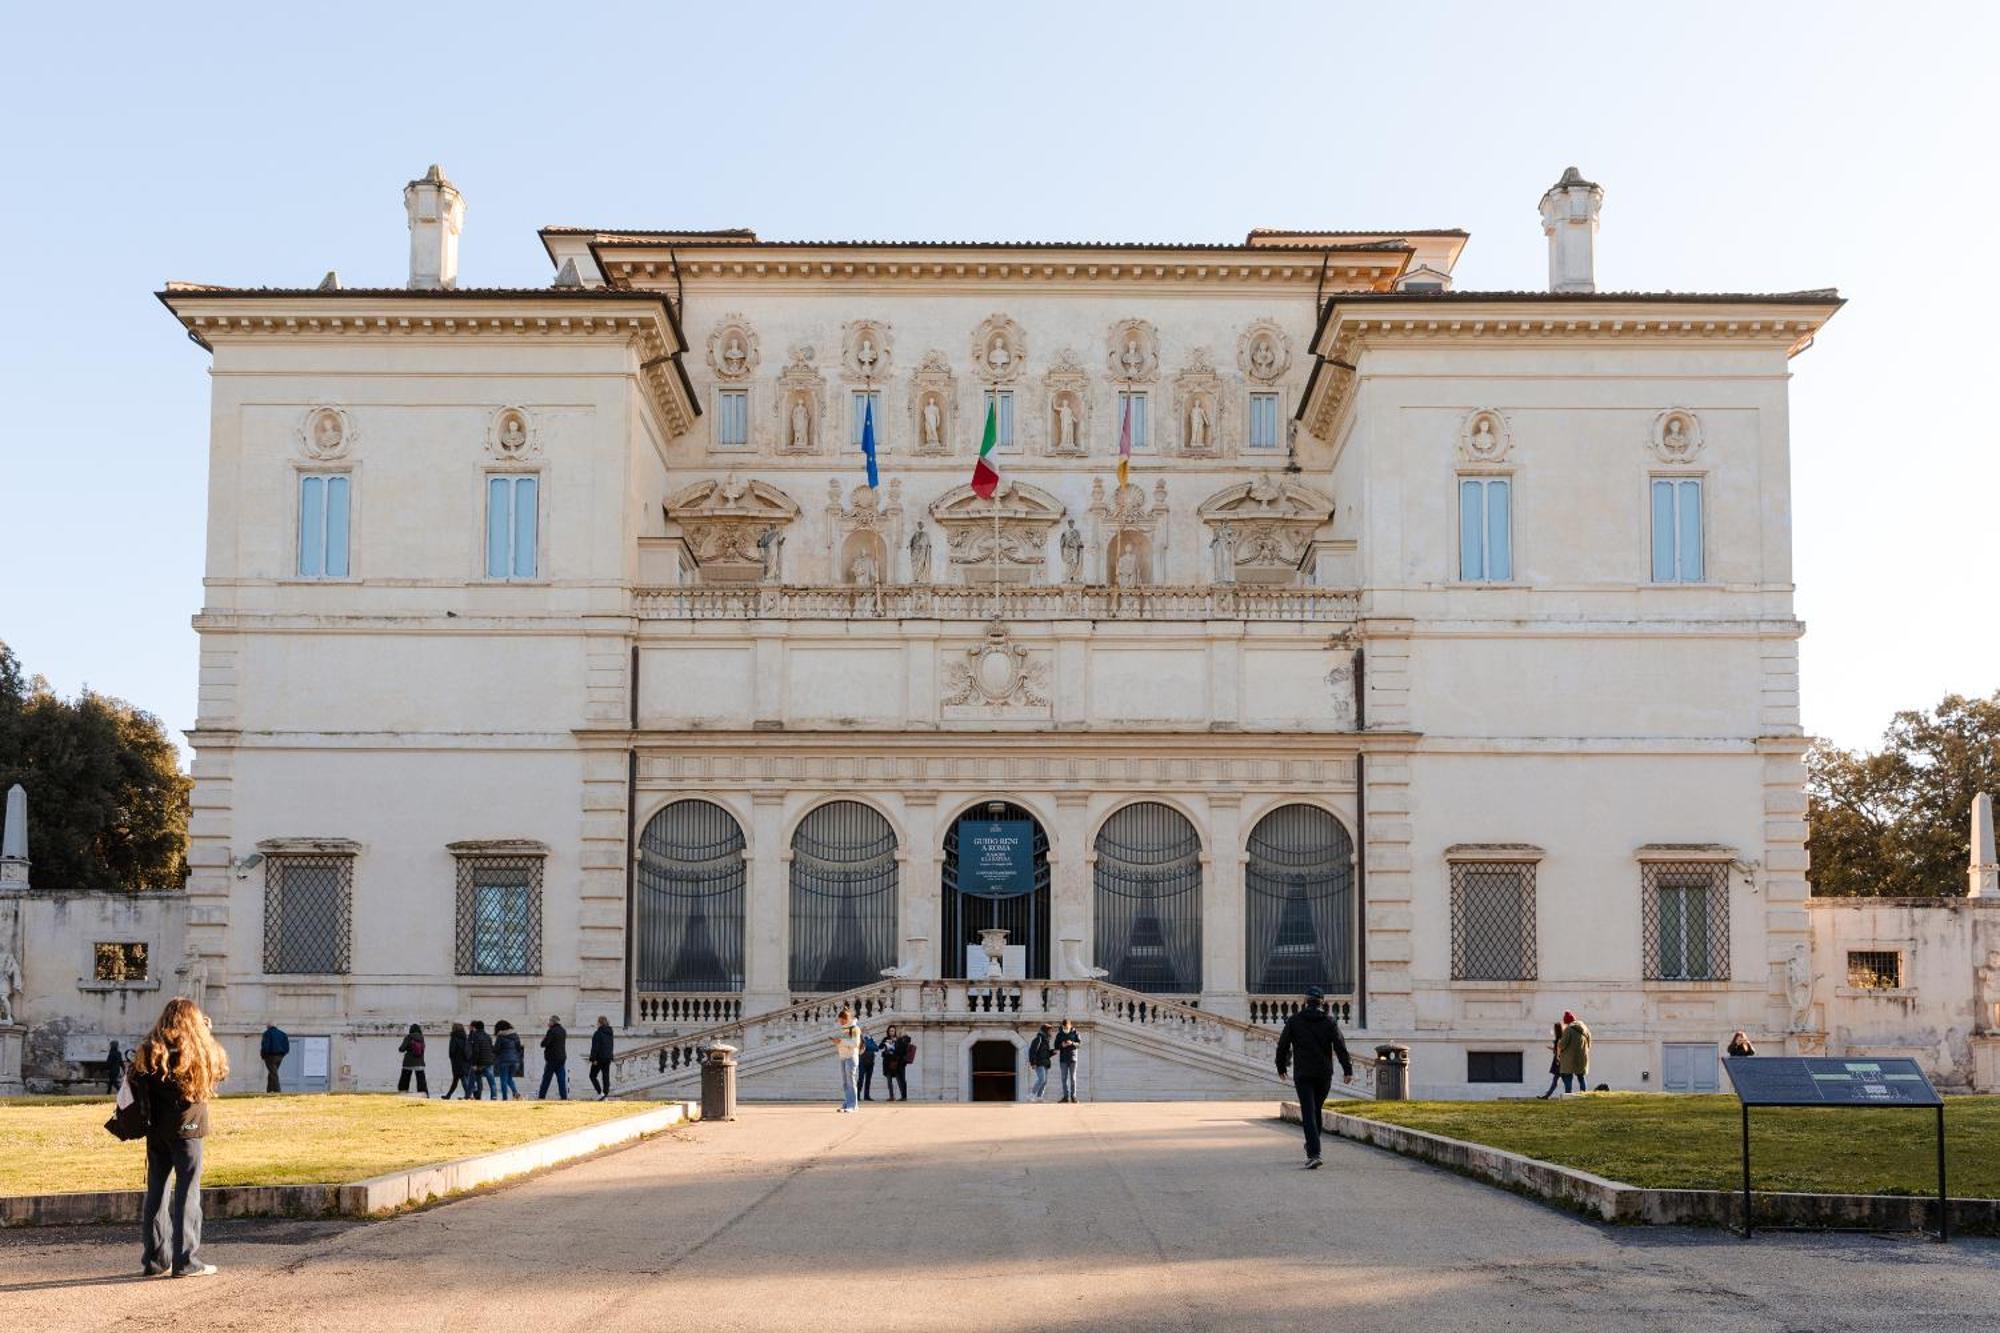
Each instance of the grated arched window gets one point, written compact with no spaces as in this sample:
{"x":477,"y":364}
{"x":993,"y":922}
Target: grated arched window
{"x":1148,"y":891}
{"x":843,"y":898}
{"x":1299,"y":913}
{"x":690,"y":914}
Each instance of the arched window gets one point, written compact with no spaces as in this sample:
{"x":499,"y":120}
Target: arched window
{"x":690,"y":918}
{"x":1299,"y":917}
{"x":843,"y":898}
{"x":1148,"y":889}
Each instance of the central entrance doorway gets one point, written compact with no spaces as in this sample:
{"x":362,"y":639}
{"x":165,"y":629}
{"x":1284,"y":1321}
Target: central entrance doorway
{"x":993,"y":1071}
{"x":967,"y":911}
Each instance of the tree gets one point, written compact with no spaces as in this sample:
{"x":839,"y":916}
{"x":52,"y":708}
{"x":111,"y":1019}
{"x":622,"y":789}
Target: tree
{"x":1896,"y":822}
{"x":107,"y":802}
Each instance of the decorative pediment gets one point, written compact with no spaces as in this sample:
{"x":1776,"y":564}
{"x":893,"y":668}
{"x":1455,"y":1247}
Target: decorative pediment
{"x":1067,"y":391}
{"x":732,"y":349}
{"x":933,"y":404}
{"x":999,"y":350}
{"x":1199,"y":408}
{"x":864,"y":351}
{"x":800,"y":403}
{"x":734,"y":529}
{"x":1132,"y":352}
{"x":1262,"y":530}
{"x":1264,"y":352}
{"x":1003,"y":539}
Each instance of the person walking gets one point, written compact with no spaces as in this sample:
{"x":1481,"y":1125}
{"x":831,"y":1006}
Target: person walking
{"x":479,"y":1060}
{"x":174,"y":1074}
{"x":865,"y":1070}
{"x":1573,"y":1053}
{"x":1041,"y":1054}
{"x":510,"y":1059}
{"x":413,"y":1060}
{"x":273,"y":1049}
{"x":1307,"y":1048}
{"x":897,"y":1052}
{"x":555,"y":1059}
{"x":601,"y":1040}
{"x":1555,"y":1060}
{"x":847,"y":1049}
{"x":1740,"y":1047}
{"x":116,"y":1060}
{"x":1067,"y":1040}
{"x":455,"y":1052}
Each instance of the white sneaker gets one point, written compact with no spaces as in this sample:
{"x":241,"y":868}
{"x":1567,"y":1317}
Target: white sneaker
{"x":199,"y":1270}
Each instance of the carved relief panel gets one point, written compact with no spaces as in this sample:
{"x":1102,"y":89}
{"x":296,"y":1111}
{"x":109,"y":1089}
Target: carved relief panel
{"x":1263,"y":352}
{"x":1128,"y":535}
{"x":1132,"y":352}
{"x":734,"y":529}
{"x":512,"y":435}
{"x":1261,"y":530}
{"x":864,"y":351}
{"x":1484,"y":438}
{"x":801,"y":403}
{"x":1676,"y":436}
{"x":1066,"y":390}
{"x":1004,"y":539}
{"x":999,"y":350}
{"x":994,"y":679}
{"x":1199,"y":408}
{"x":325,"y":433}
{"x":732,"y":349}
{"x":933,"y":404}
{"x":864,"y":535}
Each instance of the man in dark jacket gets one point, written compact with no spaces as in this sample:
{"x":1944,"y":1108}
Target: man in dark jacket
{"x":555,"y":1059}
{"x":600,"y":1057}
{"x":1307,"y":1049}
{"x":1067,"y":1040}
{"x":479,"y":1060}
{"x":273,"y":1048}
{"x":1041,"y":1053}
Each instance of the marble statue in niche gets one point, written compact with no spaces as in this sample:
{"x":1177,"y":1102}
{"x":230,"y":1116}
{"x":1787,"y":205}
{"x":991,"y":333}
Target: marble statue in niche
{"x":1223,"y":544}
{"x":801,"y":425}
{"x":1132,"y":359}
{"x":1197,"y":425}
{"x":771,"y":546}
{"x":1072,"y":553}
{"x":933,"y":423}
{"x":513,"y":433}
{"x":1263,"y":358}
{"x":328,"y":434}
{"x":998,"y":358}
{"x":920,"y":555}
{"x":1065,"y":423}
{"x":865,"y":356}
{"x":734,"y":357}
{"x":1675,"y":441}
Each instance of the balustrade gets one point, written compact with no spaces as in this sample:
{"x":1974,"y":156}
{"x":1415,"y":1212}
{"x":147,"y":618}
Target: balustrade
{"x":1273,"y":1010}
{"x":961,"y":602}
{"x":684,"y":1010}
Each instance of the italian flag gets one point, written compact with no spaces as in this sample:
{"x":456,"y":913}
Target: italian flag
{"x":985,"y":476}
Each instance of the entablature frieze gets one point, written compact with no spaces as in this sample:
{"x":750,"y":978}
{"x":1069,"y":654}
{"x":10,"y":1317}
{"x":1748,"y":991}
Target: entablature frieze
{"x":866,"y":766}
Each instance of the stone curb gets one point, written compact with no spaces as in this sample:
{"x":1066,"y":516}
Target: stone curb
{"x":1615,"y":1201}
{"x":363,"y":1198}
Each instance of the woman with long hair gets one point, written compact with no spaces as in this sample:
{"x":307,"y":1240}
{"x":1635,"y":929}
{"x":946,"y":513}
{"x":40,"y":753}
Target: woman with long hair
{"x":847,"y":1049}
{"x":1555,"y":1059}
{"x":455,"y":1050}
{"x":175,"y":1072}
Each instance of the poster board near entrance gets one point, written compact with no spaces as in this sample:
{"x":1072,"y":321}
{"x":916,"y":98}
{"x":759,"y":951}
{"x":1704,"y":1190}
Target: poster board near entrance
{"x":996,"y":857}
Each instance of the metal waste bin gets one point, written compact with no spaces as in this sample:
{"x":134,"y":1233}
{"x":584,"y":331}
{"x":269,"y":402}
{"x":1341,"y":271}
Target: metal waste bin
{"x":1392,"y":1073}
{"x":718,"y":1083}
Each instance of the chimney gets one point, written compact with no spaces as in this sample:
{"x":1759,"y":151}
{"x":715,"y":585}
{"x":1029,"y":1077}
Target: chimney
{"x":437,"y":211}
{"x":1569,"y":220}
{"x":1983,"y":879}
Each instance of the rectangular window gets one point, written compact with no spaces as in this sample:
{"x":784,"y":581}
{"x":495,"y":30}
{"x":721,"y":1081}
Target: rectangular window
{"x":732,"y":419}
{"x":1690,"y":1066}
{"x":863,"y":398}
{"x":499,"y":916}
{"x":1492,"y":1066}
{"x":1493,"y":921}
{"x":1874,"y":969}
{"x":308,"y":913}
{"x":1485,"y":530}
{"x":1141,"y":437}
{"x":1677,"y":530}
{"x":1263,"y":421}
{"x":512,"y":505}
{"x":1686,"y":908}
{"x":120,"y":962}
{"x":1005,"y":424}
{"x":323,"y":525}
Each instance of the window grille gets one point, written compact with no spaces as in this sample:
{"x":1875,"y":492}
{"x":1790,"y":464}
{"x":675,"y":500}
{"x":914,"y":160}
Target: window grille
{"x":308,"y":913}
{"x":1299,"y":886}
{"x":1686,"y":911}
{"x":499,"y":915}
{"x":844,"y":882}
{"x":1148,"y":892}
{"x":1875,"y":969}
{"x":1493,"y":921}
{"x":691,"y":885}
{"x":1492,"y":1066}
{"x":120,"y":962}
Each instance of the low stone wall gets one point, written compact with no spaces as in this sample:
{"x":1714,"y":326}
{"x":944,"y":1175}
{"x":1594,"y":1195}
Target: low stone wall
{"x":1615,"y":1201}
{"x":365,"y":1198}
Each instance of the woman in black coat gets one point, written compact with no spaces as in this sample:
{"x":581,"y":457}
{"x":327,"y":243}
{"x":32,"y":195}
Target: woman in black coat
{"x":1555,"y":1062}
{"x":413,"y":1061}
{"x":455,"y":1052}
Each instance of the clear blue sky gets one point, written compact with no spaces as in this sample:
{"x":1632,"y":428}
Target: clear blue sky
{"x":1742,"y":147}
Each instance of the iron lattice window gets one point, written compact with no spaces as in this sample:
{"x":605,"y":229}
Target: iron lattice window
{"x":1686,"y":910}
{"x":499,"y":916}
{"x":308,"y":913}
{"x":1492,"y":1066}
{"x":1493,"y":921}
{"x":120,"y":962}
{"x":1875,"y":969}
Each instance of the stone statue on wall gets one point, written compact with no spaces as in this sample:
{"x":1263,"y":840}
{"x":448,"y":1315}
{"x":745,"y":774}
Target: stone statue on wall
{"x":865,"y":356}
{"x":1799,"y":987}
{"x":1072,"y":554}
{"x":1128,"y":565}
{"x":998,"y":358}
{"x":10,"y":985}
{"x":863,"y":570}
{"x":771,"y":546}
{"x":1065,"y":424}
{"x":1197,"y":425}
{"x":733,"y":355}
{"x":801,"y":426}
{"x":1988,"y":1017}
{"x":326,"y":433}
{"x":513,"y":435}
{"x":920,"y":555}
{"x":933,"y":424}
{"x":1263,"y":358}
{"x":1133,"y":359}
{"x":1223,"y":544}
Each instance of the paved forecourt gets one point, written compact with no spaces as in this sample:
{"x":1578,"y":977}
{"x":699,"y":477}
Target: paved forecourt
{"x":1155,"y":1216}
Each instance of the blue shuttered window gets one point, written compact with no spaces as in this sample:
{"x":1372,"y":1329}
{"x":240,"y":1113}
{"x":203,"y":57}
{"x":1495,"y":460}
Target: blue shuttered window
{"x":1141,"y":439}
{"x":512,"y":513}
{"x":1263,"y":421}
{"x":1677,"y":530}
{"x":1005,"y":423}
{"x":323,"y":525}
{"x":732,"y":419}
{"x":1485,"y":530}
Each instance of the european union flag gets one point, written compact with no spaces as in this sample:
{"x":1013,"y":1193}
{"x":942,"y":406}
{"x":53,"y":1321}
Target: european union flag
{"x":868,"y":441}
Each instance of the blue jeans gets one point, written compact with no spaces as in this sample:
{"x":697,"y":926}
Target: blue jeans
{"x":1041,"y":1080}
{"x":1069,"y":1079}
{"x":847,"y":1069}
{"x":481,"y":1074}
{"x":1582,"y":1082}
{"x":560,"y":1073}
{"x":170,"y":1221}
{"x":507,"y":1088}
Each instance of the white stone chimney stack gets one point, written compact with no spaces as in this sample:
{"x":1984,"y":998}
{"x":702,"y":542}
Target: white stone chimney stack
{"x":437,"y":212}
{"x":1983,"y":880}
{"x":1569,"y":220}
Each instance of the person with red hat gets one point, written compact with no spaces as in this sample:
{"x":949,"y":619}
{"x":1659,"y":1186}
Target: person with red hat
{"x":1573,"y":1053}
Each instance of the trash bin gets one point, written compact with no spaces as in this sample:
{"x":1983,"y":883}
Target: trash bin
{"x":718,"y":1083}
{"x":1392,"y":1073}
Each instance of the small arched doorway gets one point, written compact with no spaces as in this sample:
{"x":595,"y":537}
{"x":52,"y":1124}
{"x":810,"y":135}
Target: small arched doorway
{"x":980,"y":892}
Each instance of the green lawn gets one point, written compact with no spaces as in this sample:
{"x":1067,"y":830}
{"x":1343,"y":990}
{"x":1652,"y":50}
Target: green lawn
{"x":59,"y":1144}
{"x":1673,"y":1142}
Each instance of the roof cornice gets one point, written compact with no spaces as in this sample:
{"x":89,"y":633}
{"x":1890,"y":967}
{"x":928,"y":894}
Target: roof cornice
{"x":644,"y":320}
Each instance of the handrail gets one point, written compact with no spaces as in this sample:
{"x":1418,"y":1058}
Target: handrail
{"x":680,"y":1052}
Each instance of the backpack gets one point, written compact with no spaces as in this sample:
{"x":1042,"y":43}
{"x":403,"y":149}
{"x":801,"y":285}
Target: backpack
{"x":133,"y":1117}
{"x":909,"y":1051}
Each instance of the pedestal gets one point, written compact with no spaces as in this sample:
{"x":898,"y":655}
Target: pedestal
{"x":13,"y":1037}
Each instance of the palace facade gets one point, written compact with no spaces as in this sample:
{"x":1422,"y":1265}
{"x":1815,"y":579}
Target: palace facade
{"x":557,"y":655}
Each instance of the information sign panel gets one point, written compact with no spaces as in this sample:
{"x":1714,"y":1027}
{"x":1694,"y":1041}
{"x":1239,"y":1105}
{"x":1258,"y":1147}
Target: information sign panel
{"x":996,"y":857}
{"x":1787,"y":1080}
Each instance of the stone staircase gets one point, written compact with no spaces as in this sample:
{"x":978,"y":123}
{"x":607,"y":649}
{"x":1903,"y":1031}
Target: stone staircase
{"x":1135,"y":1046}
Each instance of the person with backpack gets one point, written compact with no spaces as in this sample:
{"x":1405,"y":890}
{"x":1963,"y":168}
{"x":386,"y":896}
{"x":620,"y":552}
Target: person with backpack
{"x":413,"y":1060}
{"x":898,"y":1053}
{"x":174,"y":1074}
{"x":555,"y":1059}
{"x":601,"y":1040}
{"x":455,"y":1052}
{"x":1041,"y":1054}
{"x":866,"y":1077}
{"x":479,"y":1061}
{"x":509,"y":1059}
{"x":1066,"y":1043}
{"x":272,"y":1049}
{"x":1307,"y":1049}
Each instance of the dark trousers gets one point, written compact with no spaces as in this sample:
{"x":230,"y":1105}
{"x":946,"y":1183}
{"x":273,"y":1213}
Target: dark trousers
{"x":457,"y":1081}
{"x":170,"y":1224}
{"x":403,"y":1083}
{"x":897,"y":1078}
{"x":560,"y":1073}
{"x":866,"y":1077}
{"x":1312,"y":1090}
{"x":600,"y":1076}
{"x":271,"y":1063}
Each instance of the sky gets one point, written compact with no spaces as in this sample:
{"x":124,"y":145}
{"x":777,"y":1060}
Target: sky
{"x":1742,"y":147}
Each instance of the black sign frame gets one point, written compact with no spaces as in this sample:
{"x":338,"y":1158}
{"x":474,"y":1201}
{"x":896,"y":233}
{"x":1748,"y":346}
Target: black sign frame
{"x":1818,"y":1081}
